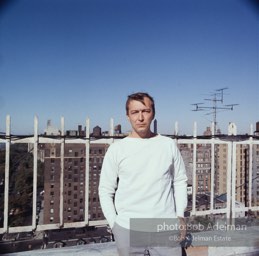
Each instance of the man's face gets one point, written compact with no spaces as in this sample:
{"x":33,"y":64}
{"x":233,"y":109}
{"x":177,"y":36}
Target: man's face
{"x":140,"y":116}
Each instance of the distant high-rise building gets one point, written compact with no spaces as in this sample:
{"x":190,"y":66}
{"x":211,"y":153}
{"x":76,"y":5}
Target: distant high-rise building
{"x":117,"y":129}
{"x":257,"y":129}
{"x":97,"y":131}
{"x":203,"y":169}
{"x":74,"y":182}
{"x":232,"y":129}
{"x":203,"y":166}
{"x":207,"y":132}
{"x":255,"y":176}
{"x":186,"y":152}
{"x":97,"y":152}
{"x":221,"y":168}
{"x":155,"y":126}
{"x":242,"y":173}
{"x":51,"y":130}
{"x":78,"y":132}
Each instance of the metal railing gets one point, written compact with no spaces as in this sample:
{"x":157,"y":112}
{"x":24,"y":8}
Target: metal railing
{"x":213,"y":140}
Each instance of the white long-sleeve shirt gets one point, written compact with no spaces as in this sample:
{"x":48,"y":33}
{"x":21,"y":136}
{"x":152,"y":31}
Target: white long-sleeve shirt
{"x":142,"y":178}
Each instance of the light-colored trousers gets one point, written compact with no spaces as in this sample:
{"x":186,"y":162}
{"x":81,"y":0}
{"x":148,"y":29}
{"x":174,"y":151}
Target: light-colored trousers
{"x":142,"y":244}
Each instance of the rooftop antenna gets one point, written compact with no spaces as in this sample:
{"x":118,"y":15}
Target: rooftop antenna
{"x":216,"y":98}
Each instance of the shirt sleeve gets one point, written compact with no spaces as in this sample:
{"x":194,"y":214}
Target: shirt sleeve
{"x":179,"y":183}
{"x":108,"y":185}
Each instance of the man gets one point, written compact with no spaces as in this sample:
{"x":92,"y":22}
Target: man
{"x":143,"y":178}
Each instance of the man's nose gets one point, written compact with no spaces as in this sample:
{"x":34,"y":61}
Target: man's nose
{"x":140,"y":116}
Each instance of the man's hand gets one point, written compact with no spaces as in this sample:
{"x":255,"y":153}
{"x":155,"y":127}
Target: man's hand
{"x":182,"y":227}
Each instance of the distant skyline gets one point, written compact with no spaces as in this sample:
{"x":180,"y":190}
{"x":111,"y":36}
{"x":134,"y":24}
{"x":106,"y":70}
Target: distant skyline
{"x":81,"y":58}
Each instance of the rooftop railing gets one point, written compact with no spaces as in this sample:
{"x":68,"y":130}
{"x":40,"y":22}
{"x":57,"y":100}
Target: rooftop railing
{"x":251,"y":142}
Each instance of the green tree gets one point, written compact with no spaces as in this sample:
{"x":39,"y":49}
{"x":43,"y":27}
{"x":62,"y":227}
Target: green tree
{"x":21,"y":183}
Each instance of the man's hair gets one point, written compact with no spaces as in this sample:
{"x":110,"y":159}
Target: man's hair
{"x":139,"y":96}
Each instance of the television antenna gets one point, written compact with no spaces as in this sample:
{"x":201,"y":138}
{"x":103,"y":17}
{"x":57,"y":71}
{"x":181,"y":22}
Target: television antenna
{"x":216,"y":98}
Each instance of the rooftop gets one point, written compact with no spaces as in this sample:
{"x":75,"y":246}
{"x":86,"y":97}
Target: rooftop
{"x":109,"y":249}
{"x":229,"y":208}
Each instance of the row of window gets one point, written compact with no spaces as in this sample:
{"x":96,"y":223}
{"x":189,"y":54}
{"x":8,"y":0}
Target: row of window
{"x":202,"y":171}
{"x":97,"y":151}
{"x":201,"y":177}
{"x":202,"y":188}
{"x":69,"y":160}
{"x":203,"y":165}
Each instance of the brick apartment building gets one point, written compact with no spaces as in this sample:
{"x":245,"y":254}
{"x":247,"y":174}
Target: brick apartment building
{"x":74,"y":183}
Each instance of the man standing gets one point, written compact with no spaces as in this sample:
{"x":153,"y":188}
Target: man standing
{"x":143,"y":177}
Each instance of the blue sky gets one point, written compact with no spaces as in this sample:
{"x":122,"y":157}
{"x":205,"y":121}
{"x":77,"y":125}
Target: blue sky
{"x":81,"y":58}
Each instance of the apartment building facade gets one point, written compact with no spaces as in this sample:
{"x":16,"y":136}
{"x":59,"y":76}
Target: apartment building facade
{"x":255,"y":176}
{"x":221,"y":169}
{"x":203,"y":169}
{"x":75,"y":175}
{"x":74,"y":183}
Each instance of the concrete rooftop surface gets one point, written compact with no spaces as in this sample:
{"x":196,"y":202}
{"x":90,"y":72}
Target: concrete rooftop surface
{"x":109,"y":249}
{"x":104,"y":249}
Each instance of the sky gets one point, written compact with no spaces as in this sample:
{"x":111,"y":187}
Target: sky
{"x":80,"y":59}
